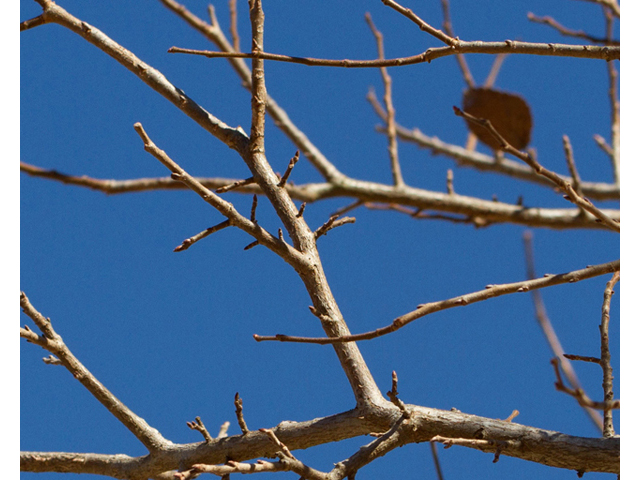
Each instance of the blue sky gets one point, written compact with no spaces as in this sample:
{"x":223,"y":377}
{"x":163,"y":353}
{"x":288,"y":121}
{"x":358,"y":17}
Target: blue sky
{"x":171,"y":333}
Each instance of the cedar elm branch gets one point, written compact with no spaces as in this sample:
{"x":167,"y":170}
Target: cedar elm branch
{"x":372,"y":413}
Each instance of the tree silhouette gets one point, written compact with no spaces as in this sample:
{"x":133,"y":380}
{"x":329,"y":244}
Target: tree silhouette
{"x":221,"y":329}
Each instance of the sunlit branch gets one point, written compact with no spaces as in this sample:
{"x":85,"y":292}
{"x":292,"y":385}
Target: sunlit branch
{"x":490,"y":291}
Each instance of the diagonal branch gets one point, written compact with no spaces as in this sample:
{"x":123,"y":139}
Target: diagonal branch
{"x":52,"y":342}
{"x":605,"y":356}
{"x":487,"y":163}
{"x":288,"y":254}
{"x":562,"y":30}
{"x":549,"y":331}
{"x":233,"y":137}
{"x":572,"y":196}
{"x":214,"y":34}
{"x":490,"y":291}
{"x":390,"y":110}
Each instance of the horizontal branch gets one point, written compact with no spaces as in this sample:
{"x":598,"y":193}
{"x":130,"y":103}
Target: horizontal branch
{"x":490,"y":291}
{"x":486,"y":211}
{"x":506,"y":166}
{"x":527,"y":443}
{"x":510,"y":47}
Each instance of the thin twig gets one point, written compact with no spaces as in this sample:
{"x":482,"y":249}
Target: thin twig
{"x":238,"y":403}
{"x":605,"y":356}
{"x":513,"y":415}
{"x":582,"y":202}
{"x":52,"y":342}
{"x":550,"y":21}
{"x":602,"y":143}
{"x":393,"y":395}
{"x":450,"y":190}
{"x":214,"y":34}
{"x":579,"y":394}
{"x":236,"y":184}
{"x":301,"y":210}
{"x":233,"y":25}
{"x":199,"y":426}
{"x":549,"y":331}
{"x":462,"y":300}
{"x":424,"y":26}
{"x":254,"y":206}
{"x":292,"y":163}
{"x":222,"y":433}
{"x":492,"y":48}
{"x":568,"y":155}
{"x":495,"y":69}
{"x":390,"y":110}
{"x":612,"y":4}
{"x":581,"y":358}
{"x":615,"y":104}
{"x":199,"y":236}
{"x":332,"y":223}
{"x":32,"y":22}
{"x":462,"y":62}
{"x":436,"y":460}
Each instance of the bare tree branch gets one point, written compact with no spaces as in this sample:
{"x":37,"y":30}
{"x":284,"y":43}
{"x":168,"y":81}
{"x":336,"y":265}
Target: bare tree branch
{"x":581,"y":202}
{"x":390,"y":111}
{"x":52,"y":342}
{"x":490,"y":291}
{"x":605,"y":356}
{"x":549,"y":331}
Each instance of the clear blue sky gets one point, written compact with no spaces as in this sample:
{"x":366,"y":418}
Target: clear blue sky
{"x":171,"y":333}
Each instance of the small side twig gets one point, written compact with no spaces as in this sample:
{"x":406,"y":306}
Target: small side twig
{"x":450,"y":182}
{"x":605,"y":356}
{"x":485,"y":445}
{"x":424,"y":26}
{"x":579,"y":394}
{"x":436,"y":460}
{"x":301,"y":210}
{"x":254,"y":206}
{"x":199,"y":426}
{"x":581,"y":358}
{"x":32,"y":22}
{"x":568,"y":155}
{"x":462,"y":63}
{"x":292,"y":163}
{"x":390,"y":110}
{"x":495,"y":69}
{"x":272,"y":436}
{"x":567,"y":32}
{"x":571,"y":195}
{"x":393,"y":396}
{"x":243,"y":425}
{"x":333,"y":222}
{"x":222,"y":433}
{"x":233,"y":25}
{"x":549,"y":331}
{"x":199,"y":236}
{"x":239,"y":183}
{"x":615,"y":103}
